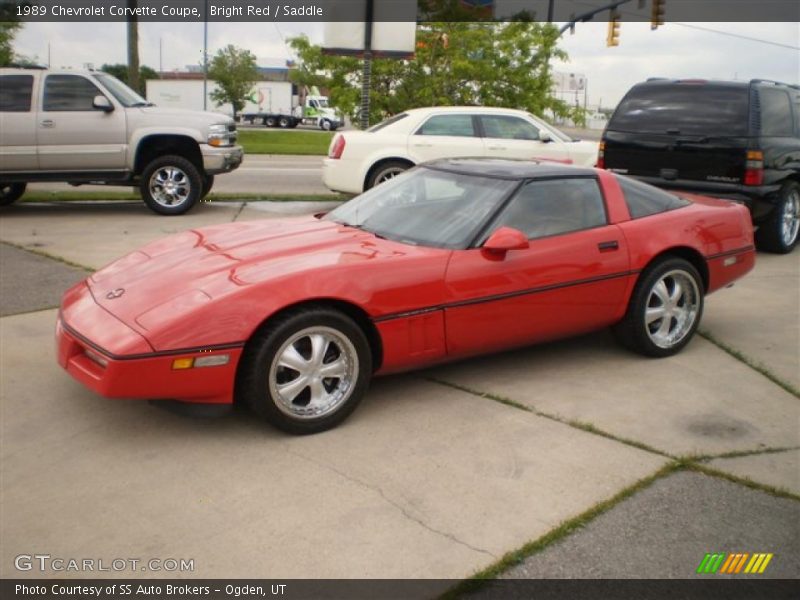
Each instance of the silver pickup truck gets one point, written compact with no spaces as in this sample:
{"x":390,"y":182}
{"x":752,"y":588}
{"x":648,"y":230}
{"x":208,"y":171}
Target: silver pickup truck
{"x":87,"y":127}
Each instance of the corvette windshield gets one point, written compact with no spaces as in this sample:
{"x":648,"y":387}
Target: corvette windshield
{"x":426,"y":207}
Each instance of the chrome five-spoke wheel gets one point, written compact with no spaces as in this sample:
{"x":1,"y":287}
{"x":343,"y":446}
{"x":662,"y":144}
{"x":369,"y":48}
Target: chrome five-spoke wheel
{"x":306,"y":370}
{"x":313,"y":373}
{"x":672,"y":308}
{"x":664,"y":309}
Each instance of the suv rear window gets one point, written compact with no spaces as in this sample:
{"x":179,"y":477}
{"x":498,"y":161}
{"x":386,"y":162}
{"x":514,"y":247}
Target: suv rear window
{"x":644,"y":200}
{"x":15,"y":93}
{"x":776,"y":113}
{"x":684,"y":109}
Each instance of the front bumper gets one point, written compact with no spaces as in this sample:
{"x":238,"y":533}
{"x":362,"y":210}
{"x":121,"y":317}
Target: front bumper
{"x":116,"y":362}
{"x":221,"y":160}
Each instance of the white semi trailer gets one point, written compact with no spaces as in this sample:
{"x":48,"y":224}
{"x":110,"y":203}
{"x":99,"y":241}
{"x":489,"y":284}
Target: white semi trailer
{"x":271,"y":103}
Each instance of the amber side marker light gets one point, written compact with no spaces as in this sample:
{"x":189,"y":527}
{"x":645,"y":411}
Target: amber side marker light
{"x":216,"y":360}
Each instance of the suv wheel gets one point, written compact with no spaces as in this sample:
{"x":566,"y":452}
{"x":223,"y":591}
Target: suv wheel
{"x":208,"y":183}
{"x":171,"y":185}
{"x":11,"y":192}
{"x":779,"y":233}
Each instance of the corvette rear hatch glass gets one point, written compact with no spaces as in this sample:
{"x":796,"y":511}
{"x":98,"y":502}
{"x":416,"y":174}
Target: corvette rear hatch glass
{"x":426,"y":207}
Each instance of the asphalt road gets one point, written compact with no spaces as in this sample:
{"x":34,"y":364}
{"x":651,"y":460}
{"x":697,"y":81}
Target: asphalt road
{"x":265,"y":173}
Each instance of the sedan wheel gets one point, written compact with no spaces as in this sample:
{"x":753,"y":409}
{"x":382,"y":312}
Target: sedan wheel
{"x":385,"y":172}
{"x":306,"y":370}
{"x":664,"y":310}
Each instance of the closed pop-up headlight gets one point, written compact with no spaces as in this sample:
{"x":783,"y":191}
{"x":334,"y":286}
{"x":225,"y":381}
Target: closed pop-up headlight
{"x":222,"y":134}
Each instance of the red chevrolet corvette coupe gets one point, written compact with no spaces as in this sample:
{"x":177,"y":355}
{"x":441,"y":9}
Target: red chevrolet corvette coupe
{"x":451,"y":259}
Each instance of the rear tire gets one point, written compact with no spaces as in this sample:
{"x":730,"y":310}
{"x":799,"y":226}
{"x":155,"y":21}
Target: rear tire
{"x":11,"y":192}
{"x":305,"y":371}
{"x":270,"y":122}
{"x":664,"y":310}
{"x":284,"y":122}
{"x":386,"y":171}
{"x":779,"y":233}
{"x":171,"y":185}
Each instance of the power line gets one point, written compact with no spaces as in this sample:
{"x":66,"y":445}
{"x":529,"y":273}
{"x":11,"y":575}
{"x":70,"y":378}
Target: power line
{"x":737,"y":35}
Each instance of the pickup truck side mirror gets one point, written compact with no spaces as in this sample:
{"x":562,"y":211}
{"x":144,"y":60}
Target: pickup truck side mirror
{"x":544,"y":136}
{"x":102,"y":103}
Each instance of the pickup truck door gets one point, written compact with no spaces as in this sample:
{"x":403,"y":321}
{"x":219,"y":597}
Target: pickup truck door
{"x":72,"y":135}
{"x":17,"y":123}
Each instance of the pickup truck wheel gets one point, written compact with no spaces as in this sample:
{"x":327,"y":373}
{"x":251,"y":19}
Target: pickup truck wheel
{"x":284,"y":122}
{"x":208,"y":183}
{"x":664,"y":310}
{"x":779,"y":233}
{"x":305,"y":371}
{"x":11,"y":192}
{"x":171,"y":185}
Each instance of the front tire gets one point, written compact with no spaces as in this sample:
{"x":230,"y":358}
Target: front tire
{"x":171,"y":185}
{"x":208,"y":183}
{"x":325,"y":125}
{"x":306,"y":371}
{"x":664,"y":310}
{"x":11,"y":192}
{"x":779,"y":233}
{"x":385,"y":172}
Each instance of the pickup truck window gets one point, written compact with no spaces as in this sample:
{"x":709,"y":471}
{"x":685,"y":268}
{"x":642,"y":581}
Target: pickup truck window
{"x":69,"y":93}
{"x":15,"y":93}
{"x":125,"y":95}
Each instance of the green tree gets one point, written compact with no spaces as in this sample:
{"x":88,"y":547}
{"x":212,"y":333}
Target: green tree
{"x":456,"y":63}
{"x":9,"y":26}
{"x":120,"y":71}
{"x":234,"y":70}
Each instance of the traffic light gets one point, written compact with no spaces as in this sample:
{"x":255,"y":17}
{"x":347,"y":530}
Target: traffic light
{"x":612,"y":39}
{"x":657,"y":14}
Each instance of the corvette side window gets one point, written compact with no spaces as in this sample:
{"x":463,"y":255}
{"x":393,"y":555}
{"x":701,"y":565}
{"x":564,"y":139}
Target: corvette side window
{"x":555,"y":206}
{"x":455,"y":125}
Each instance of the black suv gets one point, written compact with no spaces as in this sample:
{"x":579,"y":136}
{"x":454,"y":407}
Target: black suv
{"x":734,"y":140}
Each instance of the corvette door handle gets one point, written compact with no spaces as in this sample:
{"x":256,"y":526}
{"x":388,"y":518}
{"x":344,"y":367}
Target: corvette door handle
{"x":608,"y":246}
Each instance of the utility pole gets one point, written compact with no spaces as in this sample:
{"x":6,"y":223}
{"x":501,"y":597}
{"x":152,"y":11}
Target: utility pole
{"x":133,"y":46}
{"x":205,"y":58}
{"x":366,"y":74}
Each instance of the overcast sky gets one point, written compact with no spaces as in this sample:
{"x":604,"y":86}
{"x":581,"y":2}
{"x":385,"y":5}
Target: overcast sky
{"x":674,"y":50}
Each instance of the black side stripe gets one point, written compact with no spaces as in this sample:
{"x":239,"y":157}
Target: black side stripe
{"x":730,"y":252}
{"x":156,"y":354}
{"x":497,"y":297}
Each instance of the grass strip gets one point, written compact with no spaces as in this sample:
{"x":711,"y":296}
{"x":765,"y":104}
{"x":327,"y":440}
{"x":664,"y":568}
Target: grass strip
{"x":91,"y":196}
{"x":565,"y":528}
{"x":308,"y":143}
{"x":753,"y":364}
{"x":583,"y":426}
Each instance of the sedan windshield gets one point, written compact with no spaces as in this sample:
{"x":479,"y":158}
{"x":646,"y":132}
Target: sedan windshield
{"x":426,"y":207}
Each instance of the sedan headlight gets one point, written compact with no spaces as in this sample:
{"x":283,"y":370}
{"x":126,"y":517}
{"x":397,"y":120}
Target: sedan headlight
{"x":222,"y":134}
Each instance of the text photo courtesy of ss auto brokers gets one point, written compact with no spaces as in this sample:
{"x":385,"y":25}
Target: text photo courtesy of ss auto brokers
{"x":376,"y":299}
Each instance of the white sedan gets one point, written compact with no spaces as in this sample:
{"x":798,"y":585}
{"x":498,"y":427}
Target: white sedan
{"x":359,"y":160}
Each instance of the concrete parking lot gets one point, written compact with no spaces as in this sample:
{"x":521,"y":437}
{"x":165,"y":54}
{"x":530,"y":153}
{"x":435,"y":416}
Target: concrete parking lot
{"x":439,"y":474}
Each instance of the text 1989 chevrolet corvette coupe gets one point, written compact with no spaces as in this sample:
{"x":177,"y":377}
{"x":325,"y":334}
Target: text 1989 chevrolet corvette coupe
{"x":452,"y":259}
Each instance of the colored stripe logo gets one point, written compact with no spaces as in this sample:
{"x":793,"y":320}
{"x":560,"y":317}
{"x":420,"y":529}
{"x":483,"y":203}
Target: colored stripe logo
{"x":723,"y":563}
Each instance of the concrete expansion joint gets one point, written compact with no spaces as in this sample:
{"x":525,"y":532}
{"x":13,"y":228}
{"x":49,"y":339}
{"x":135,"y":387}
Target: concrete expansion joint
{"x":239,"y":212}
{"x":703,"y":458}
{"x":378,"y":490}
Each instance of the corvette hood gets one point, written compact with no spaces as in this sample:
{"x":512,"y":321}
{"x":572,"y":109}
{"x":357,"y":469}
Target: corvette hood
{"x":172,"y":277}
